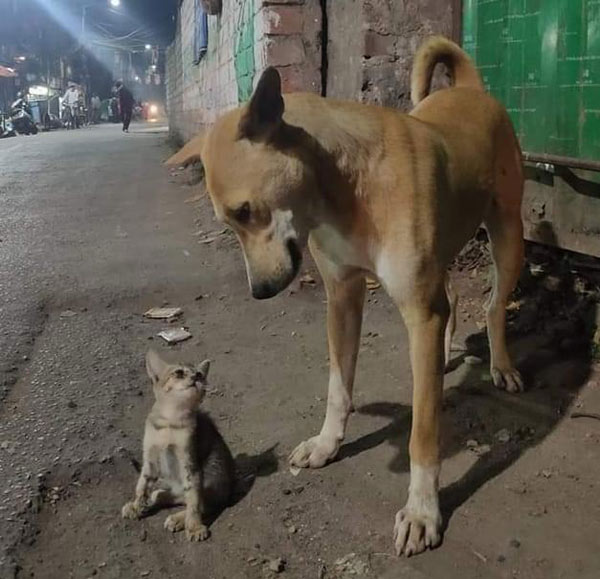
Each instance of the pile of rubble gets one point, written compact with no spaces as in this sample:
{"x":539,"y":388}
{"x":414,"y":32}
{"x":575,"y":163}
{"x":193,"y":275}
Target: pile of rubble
{"x":558,"y":293}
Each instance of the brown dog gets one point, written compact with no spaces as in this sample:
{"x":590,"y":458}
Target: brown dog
{"x":380,"y":193}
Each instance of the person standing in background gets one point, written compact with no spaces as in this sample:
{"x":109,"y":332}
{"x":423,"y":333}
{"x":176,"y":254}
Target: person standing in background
{"x":125,"y":99}
{"x":71,"y":100}
{"x":95,"y":106}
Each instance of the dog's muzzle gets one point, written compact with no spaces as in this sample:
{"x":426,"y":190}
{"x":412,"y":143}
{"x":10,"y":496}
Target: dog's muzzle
{"x":270,"y":288}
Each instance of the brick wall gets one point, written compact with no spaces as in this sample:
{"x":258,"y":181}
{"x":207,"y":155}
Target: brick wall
{"x":248,"y":36}
{"x":369,"y":52}
{"x":371,"y":44}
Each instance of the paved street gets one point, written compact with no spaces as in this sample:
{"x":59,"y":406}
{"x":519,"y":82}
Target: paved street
{"x":93,"y":232}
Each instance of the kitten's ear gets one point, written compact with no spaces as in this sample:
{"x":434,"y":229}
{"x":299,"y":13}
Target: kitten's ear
{"x":203,"y":368}
{"x":155,"y":366}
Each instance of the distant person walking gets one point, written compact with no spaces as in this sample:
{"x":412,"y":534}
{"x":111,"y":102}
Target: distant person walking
{"x":125,"y":104}
{"x":95,"y":104}
{"x":71,"y":103}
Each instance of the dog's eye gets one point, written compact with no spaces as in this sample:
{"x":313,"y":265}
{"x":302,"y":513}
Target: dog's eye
{"x":179,"y":374}
{"x":242,"y":213}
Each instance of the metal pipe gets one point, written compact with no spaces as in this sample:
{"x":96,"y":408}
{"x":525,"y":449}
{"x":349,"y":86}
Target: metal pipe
{"x":573,"y":162}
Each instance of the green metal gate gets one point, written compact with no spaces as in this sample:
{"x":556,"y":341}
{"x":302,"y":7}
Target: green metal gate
{"x":541,"y":58}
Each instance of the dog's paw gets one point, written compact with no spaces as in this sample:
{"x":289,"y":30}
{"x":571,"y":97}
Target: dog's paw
{"x":196,"y":531}
{"x":175,"y":523}
{"x":507,"y":378}
{"x":132,"y":511}
{"x":416,"y":531}
{"x":313,"y":453}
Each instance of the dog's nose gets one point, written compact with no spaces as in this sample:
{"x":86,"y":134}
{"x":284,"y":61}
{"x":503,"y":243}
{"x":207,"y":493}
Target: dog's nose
{"x":263,"y":291}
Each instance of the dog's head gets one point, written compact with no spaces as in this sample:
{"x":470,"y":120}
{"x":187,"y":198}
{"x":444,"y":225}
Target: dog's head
{"x":260,"y":185}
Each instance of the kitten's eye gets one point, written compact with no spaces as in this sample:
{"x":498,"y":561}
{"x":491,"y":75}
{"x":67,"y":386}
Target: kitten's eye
{"x":179,"y":374}
{"x":242,"y":213}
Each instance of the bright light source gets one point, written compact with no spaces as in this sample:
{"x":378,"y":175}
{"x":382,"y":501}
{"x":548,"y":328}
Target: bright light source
{"x":115,"y":3}
{"x":148,"y":47}
{"x":154,"y":67}
{"x":38,"y":90}
{"x":21,"y":58}
{"x":137,"y":79}
{"x":153,"y":109}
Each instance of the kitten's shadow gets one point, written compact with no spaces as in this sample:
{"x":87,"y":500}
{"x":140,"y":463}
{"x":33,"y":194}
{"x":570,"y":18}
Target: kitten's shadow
{"x":248,"y":468}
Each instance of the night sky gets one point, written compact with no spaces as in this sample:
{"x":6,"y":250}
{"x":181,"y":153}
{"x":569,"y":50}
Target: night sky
{"x":157,"y":16}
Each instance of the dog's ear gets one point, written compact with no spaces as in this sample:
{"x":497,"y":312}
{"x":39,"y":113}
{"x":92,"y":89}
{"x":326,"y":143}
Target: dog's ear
{"x":155,"y":366}
{"x":265,"y":109}
{"x":202,"y":369}
{"x":191,"y":152}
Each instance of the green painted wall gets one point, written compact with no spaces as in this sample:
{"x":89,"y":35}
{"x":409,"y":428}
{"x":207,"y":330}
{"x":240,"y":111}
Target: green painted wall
{"x":541,"y":58}
{"x":244,"y":52}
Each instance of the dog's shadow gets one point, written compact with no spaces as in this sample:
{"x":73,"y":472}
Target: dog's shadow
{"x":496,"y":426}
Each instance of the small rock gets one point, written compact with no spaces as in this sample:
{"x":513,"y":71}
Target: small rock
{"x":478,"y":449}
{"x":503,"y":436}
{"x":515,"y":543}
{"x":145,"y":573}
{"x":551,"y":283}
{"x":67,"y":314}
{"x":351,"y":564}
{"x":143,"y":535}
{"x":473,"y":360}
{"x":501,"y":558}
{"x":71,"y":404}
{"x":277,"y":565}
{"x":307,"y":279}
{"x":292,"y":529}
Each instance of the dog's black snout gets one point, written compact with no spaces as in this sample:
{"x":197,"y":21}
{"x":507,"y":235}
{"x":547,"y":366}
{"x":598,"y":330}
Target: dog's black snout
{"x":295,"y":255}
{"x":264,"y":291}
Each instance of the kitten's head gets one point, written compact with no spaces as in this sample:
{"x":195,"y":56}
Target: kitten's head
{"x":178,"y":383}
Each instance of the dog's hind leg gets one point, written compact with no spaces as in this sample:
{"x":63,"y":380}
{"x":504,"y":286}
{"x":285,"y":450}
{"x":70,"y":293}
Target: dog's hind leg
{"x":505,"y":230}
{"x":451,"y":325}
{"x":345,"y":299}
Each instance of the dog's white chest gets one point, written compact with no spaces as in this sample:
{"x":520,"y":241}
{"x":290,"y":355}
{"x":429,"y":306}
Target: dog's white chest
{"x":338,"y":248}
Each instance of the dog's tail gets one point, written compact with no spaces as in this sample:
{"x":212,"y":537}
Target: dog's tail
{"x":439,"y":49}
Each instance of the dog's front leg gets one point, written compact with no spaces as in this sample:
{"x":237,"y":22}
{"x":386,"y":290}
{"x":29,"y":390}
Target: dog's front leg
{"x":417,"y":525}
{"x":345,"y":300}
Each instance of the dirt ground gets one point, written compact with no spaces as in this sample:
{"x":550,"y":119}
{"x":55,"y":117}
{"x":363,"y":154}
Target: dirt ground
{"x":520,"y":490}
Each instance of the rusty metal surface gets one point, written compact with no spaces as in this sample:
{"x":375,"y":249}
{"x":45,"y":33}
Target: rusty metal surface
{"x":572,"y":162}
{"x":562,"y":208}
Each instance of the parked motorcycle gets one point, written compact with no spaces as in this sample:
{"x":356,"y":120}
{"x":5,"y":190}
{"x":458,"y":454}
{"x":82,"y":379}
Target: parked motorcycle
{"x":21,"y":117}
{"x":6,"y":128}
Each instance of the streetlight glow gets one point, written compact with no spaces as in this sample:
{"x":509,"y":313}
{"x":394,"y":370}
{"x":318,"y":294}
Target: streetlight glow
{"x":115,"y":3}
{"x":148,"y":47}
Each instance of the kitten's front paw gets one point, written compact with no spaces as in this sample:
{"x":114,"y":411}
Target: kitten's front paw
{"x":196,"y":531}
{"x":131,"y":510}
